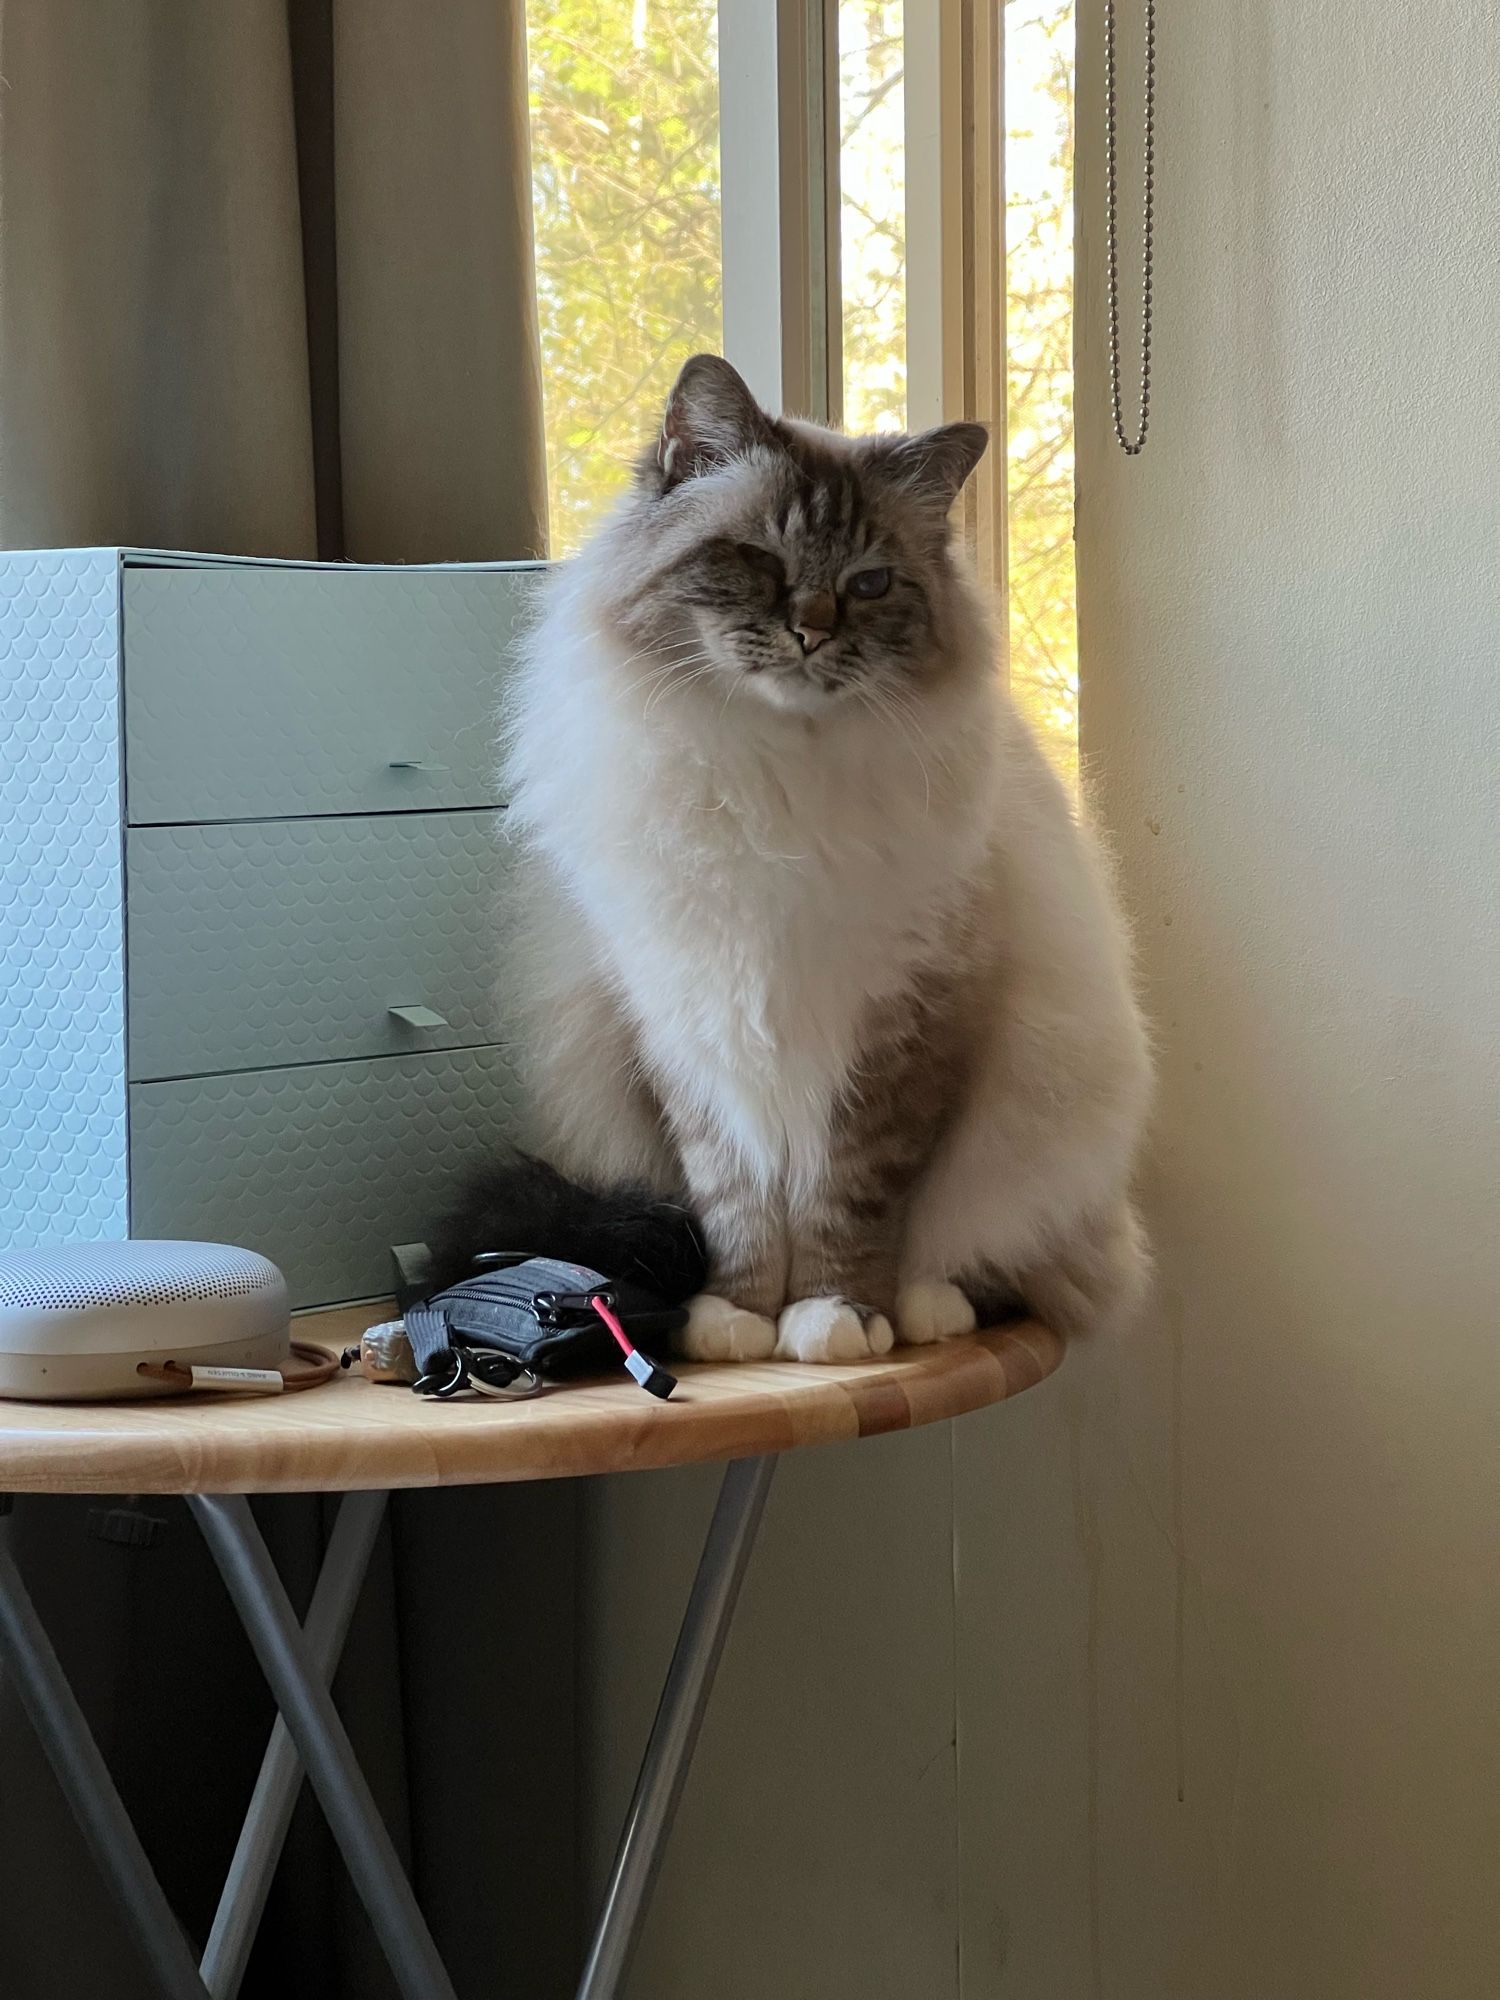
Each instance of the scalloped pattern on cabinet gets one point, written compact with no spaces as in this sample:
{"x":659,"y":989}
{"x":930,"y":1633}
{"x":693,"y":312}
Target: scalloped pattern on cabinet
{"x":62,"y":1024}
{"x":262,"y":944}
{"x":287,"y":887}
{"x":270,"y":693}
{"x":321,"y":1169}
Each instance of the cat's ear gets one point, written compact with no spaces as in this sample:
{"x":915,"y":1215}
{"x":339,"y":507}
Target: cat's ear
{"x":933,"y":465}
{"x":711,"y":418}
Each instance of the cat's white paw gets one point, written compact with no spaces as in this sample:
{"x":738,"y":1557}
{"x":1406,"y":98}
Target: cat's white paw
{"x":931,"y":1309}
{"x":832,"y":1330}
{"x":719,"y":1331}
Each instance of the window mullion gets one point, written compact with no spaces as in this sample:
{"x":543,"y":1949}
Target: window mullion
{"x":955,"y":207}
{"x":779,"y":130}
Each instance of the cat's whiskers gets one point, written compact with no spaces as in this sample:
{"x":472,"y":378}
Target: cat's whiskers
{"x":657,"y":651}
{"x":686,"y":653}
{"x":666,"y":675}
{"x":734,"y":688}
{"x":655,"y":673}
{"x":659,"y":648}
{"x":652,"y":680}
{"x":677,"y":680}
{"x":885,"y":710}
{"x":905,"y":704}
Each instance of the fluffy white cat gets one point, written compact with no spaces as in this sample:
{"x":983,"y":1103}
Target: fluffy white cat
{"x":817,"y":941}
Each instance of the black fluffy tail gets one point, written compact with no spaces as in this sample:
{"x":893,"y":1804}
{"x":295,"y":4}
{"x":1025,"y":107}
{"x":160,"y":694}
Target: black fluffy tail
{"x":520,"y":1203}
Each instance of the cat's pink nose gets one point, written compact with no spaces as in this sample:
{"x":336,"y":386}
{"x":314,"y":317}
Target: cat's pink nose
{"x":813,"y":621}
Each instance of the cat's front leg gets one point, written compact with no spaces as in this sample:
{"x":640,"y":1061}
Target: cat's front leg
{"x":845,"y":1248}
{"x":847,"y":1233}
{"x":842,"y":1281}
{"x":744,"y":1227}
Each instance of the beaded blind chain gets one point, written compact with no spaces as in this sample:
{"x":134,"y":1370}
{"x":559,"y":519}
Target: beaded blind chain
{"x":1132,"y":447}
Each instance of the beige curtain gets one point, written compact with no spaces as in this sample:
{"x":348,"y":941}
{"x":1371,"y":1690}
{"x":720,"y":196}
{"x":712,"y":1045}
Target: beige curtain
{"x":265,"y":288}
{"x":265,"y":278}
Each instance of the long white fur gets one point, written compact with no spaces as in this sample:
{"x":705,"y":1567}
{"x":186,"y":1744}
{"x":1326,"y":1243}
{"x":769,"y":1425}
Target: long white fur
{"x":741,"y":883}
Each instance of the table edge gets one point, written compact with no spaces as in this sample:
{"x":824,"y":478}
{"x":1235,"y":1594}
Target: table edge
{"x":865,"y":1400}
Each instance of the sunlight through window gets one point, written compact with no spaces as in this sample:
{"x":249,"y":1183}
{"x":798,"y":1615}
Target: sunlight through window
{"x":872,"y":213}
{"x":625,"y":206}
{"x":1039,"y":341}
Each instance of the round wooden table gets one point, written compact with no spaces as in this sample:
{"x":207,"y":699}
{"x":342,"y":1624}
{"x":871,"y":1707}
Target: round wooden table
{"x":365,"y":1440}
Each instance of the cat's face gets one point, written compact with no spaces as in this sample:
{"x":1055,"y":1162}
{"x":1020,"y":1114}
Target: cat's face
{"x":808,"y":567}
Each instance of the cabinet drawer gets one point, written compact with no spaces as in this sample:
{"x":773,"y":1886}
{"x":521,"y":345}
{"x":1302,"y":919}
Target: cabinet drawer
{"x":261,"y":944}
{"x":269,"y":693}
{"x":321,"y":1169}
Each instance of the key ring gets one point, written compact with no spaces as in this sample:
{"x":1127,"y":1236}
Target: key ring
{"x":523,"y":1383}
{"x":444,"y":1386}
{"x":477,"y":1373}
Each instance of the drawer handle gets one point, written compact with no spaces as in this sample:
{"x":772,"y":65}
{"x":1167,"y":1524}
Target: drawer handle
{"x":419,"y":1017}
{"x":415,"y":764}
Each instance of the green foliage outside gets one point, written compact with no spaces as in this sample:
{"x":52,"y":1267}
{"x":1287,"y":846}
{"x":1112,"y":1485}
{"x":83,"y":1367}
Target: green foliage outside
{"x":625,"y":180}
{"x":1039,"y":367}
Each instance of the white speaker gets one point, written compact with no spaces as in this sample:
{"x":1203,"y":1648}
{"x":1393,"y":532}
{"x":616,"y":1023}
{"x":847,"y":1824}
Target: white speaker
{"x":79,"y":1322}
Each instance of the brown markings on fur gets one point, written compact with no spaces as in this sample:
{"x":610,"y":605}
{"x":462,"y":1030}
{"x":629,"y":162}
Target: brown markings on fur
{"x":827,"y":504}
{"x":890,"y":1115}
{"x":846,"y":1239}
{"x":743,"y":1220}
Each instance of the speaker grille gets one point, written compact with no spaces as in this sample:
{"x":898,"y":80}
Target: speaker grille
{"x":76,"y":1276}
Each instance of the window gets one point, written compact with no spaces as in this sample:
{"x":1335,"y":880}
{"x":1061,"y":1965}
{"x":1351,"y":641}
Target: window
{"x":826,"y":211}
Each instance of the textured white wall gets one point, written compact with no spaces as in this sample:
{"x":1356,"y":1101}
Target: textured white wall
{"x":1243,"y":1727}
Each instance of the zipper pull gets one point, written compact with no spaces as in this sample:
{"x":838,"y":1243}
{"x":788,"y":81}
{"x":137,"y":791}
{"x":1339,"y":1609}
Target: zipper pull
{"x":653,"y":1378}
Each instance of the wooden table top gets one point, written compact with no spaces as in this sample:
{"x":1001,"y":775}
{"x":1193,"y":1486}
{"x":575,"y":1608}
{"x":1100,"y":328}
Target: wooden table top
{"x":351,"y":1434}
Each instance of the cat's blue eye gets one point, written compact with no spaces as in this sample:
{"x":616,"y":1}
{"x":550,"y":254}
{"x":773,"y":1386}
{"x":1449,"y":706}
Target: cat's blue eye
{"x":869,"y":583}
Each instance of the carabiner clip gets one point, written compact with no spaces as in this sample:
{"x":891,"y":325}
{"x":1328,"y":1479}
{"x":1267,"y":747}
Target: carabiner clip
{"x":521,"y":1383}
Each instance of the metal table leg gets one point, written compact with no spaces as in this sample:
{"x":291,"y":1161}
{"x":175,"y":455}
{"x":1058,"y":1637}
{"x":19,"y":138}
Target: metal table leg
{"x":90,"y":1791}
{"x":674,"y":1735}
{"x":263,"y":1836}
{"x":307,"y":1707}
{"x":297,"y":1663}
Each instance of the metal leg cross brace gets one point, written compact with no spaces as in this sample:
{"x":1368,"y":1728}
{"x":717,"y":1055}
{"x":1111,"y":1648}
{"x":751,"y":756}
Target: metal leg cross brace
{"x":298,"y":1663}
{"x":263,"y":1836}
{"x":90,"y":1790}
{"x":301,"y":1694}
